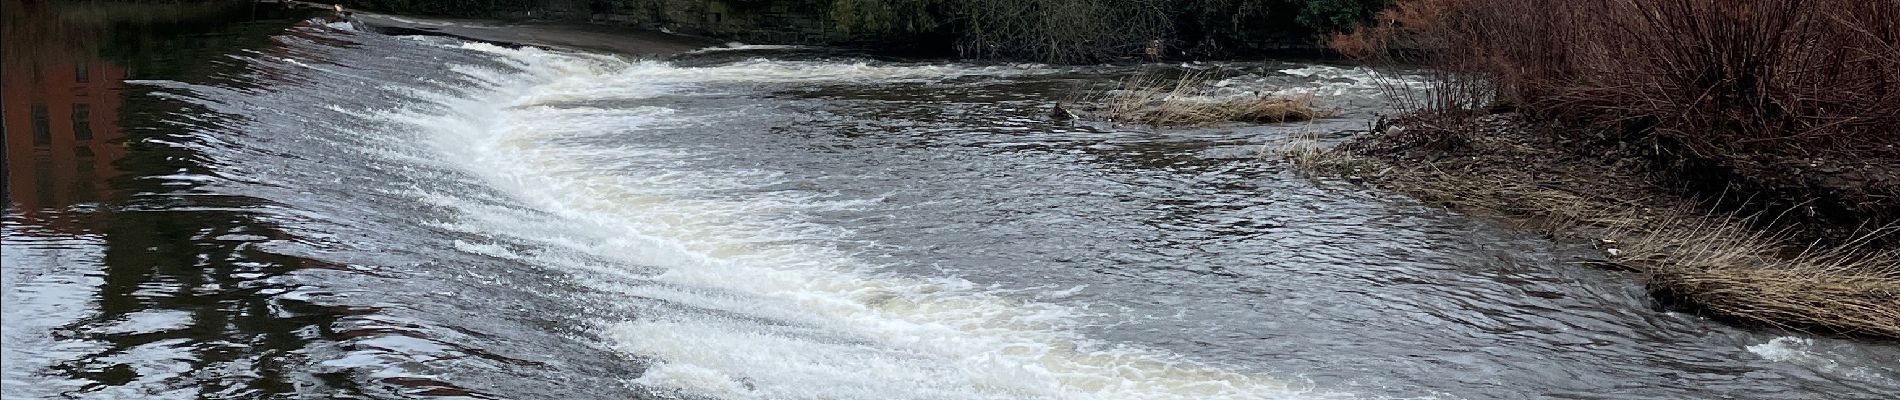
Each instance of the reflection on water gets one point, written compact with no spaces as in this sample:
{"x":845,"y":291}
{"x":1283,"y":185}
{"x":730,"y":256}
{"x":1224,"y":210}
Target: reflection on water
{"x":124,"y":278}
{"x":61,"y":107}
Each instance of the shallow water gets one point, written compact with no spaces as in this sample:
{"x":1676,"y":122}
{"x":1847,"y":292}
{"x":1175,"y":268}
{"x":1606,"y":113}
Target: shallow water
{"x":271,"y":206}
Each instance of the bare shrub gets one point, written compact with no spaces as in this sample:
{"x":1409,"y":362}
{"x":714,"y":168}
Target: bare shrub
{"x":1795,"y":103}
{"x":1409,"y":33}
{"x":1716,"y":76}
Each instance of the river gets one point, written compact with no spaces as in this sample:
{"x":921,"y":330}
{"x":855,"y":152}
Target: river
{"x":216,"y":202}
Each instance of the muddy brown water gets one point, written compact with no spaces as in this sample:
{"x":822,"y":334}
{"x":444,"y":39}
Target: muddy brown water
{"x":232,"y":203}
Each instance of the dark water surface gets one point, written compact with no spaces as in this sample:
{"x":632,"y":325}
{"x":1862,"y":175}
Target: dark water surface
{"x":240,"y":202}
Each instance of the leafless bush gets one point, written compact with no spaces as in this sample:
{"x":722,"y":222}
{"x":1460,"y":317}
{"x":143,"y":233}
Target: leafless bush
{"x":1716,"y":78}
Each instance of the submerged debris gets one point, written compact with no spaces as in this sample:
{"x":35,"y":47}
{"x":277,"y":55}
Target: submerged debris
{"x":1061,"y":114}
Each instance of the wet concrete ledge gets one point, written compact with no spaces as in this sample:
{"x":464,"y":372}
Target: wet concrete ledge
{"x":567,"y":35}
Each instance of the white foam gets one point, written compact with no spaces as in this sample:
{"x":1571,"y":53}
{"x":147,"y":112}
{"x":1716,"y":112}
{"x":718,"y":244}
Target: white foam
{"x":1801,"y":351}
{"x":640,"y":74}
{"x":736,"y":46}
{"x":342,"y":25}
{"x":778,"y":314}
{"x":1784,"y":349}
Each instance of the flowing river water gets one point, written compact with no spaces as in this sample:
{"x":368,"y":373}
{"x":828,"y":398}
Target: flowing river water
{"x":268,"y":207}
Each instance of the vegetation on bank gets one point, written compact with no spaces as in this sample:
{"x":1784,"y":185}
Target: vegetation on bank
{"x":1739,"y":153}
{"x":1062,"y":31}
{"x":1784,"y":104}
{"x":1101,"y":30}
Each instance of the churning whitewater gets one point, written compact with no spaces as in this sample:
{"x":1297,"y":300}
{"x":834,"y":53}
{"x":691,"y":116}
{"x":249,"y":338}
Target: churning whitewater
{"x":767,"y":309}
{"x":757,"y":304}
{"x":514,"y":222}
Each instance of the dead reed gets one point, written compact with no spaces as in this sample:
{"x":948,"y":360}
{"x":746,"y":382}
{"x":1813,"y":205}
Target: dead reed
{"x":1188,"y":101}
{"x":1721,"y":266}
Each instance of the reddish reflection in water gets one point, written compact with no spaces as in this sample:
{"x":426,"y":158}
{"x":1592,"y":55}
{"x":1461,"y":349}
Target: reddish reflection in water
{"x":61,"y":107}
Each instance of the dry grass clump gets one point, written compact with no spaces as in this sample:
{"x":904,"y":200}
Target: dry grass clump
{"x":1719,"y":266}
{"x":1299,"y":107}
{"x":1187,"y":101}
{"x":1722,"y":267}
{"x":1493,"y":184}
{"x":1306,"y":154}
{"x":1524,"y":202}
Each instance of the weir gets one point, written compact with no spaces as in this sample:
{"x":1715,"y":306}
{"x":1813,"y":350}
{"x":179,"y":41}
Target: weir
{"x":325,"y":212}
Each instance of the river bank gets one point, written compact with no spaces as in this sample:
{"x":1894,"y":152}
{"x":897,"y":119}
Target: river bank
{"x":1758,"y":268}
{"x":1740,"y":154}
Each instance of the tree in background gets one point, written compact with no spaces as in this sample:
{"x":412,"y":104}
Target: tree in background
{"x":1070,"y":31}
{"x":1061,"y":31}
{"x":1337,"y":15}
